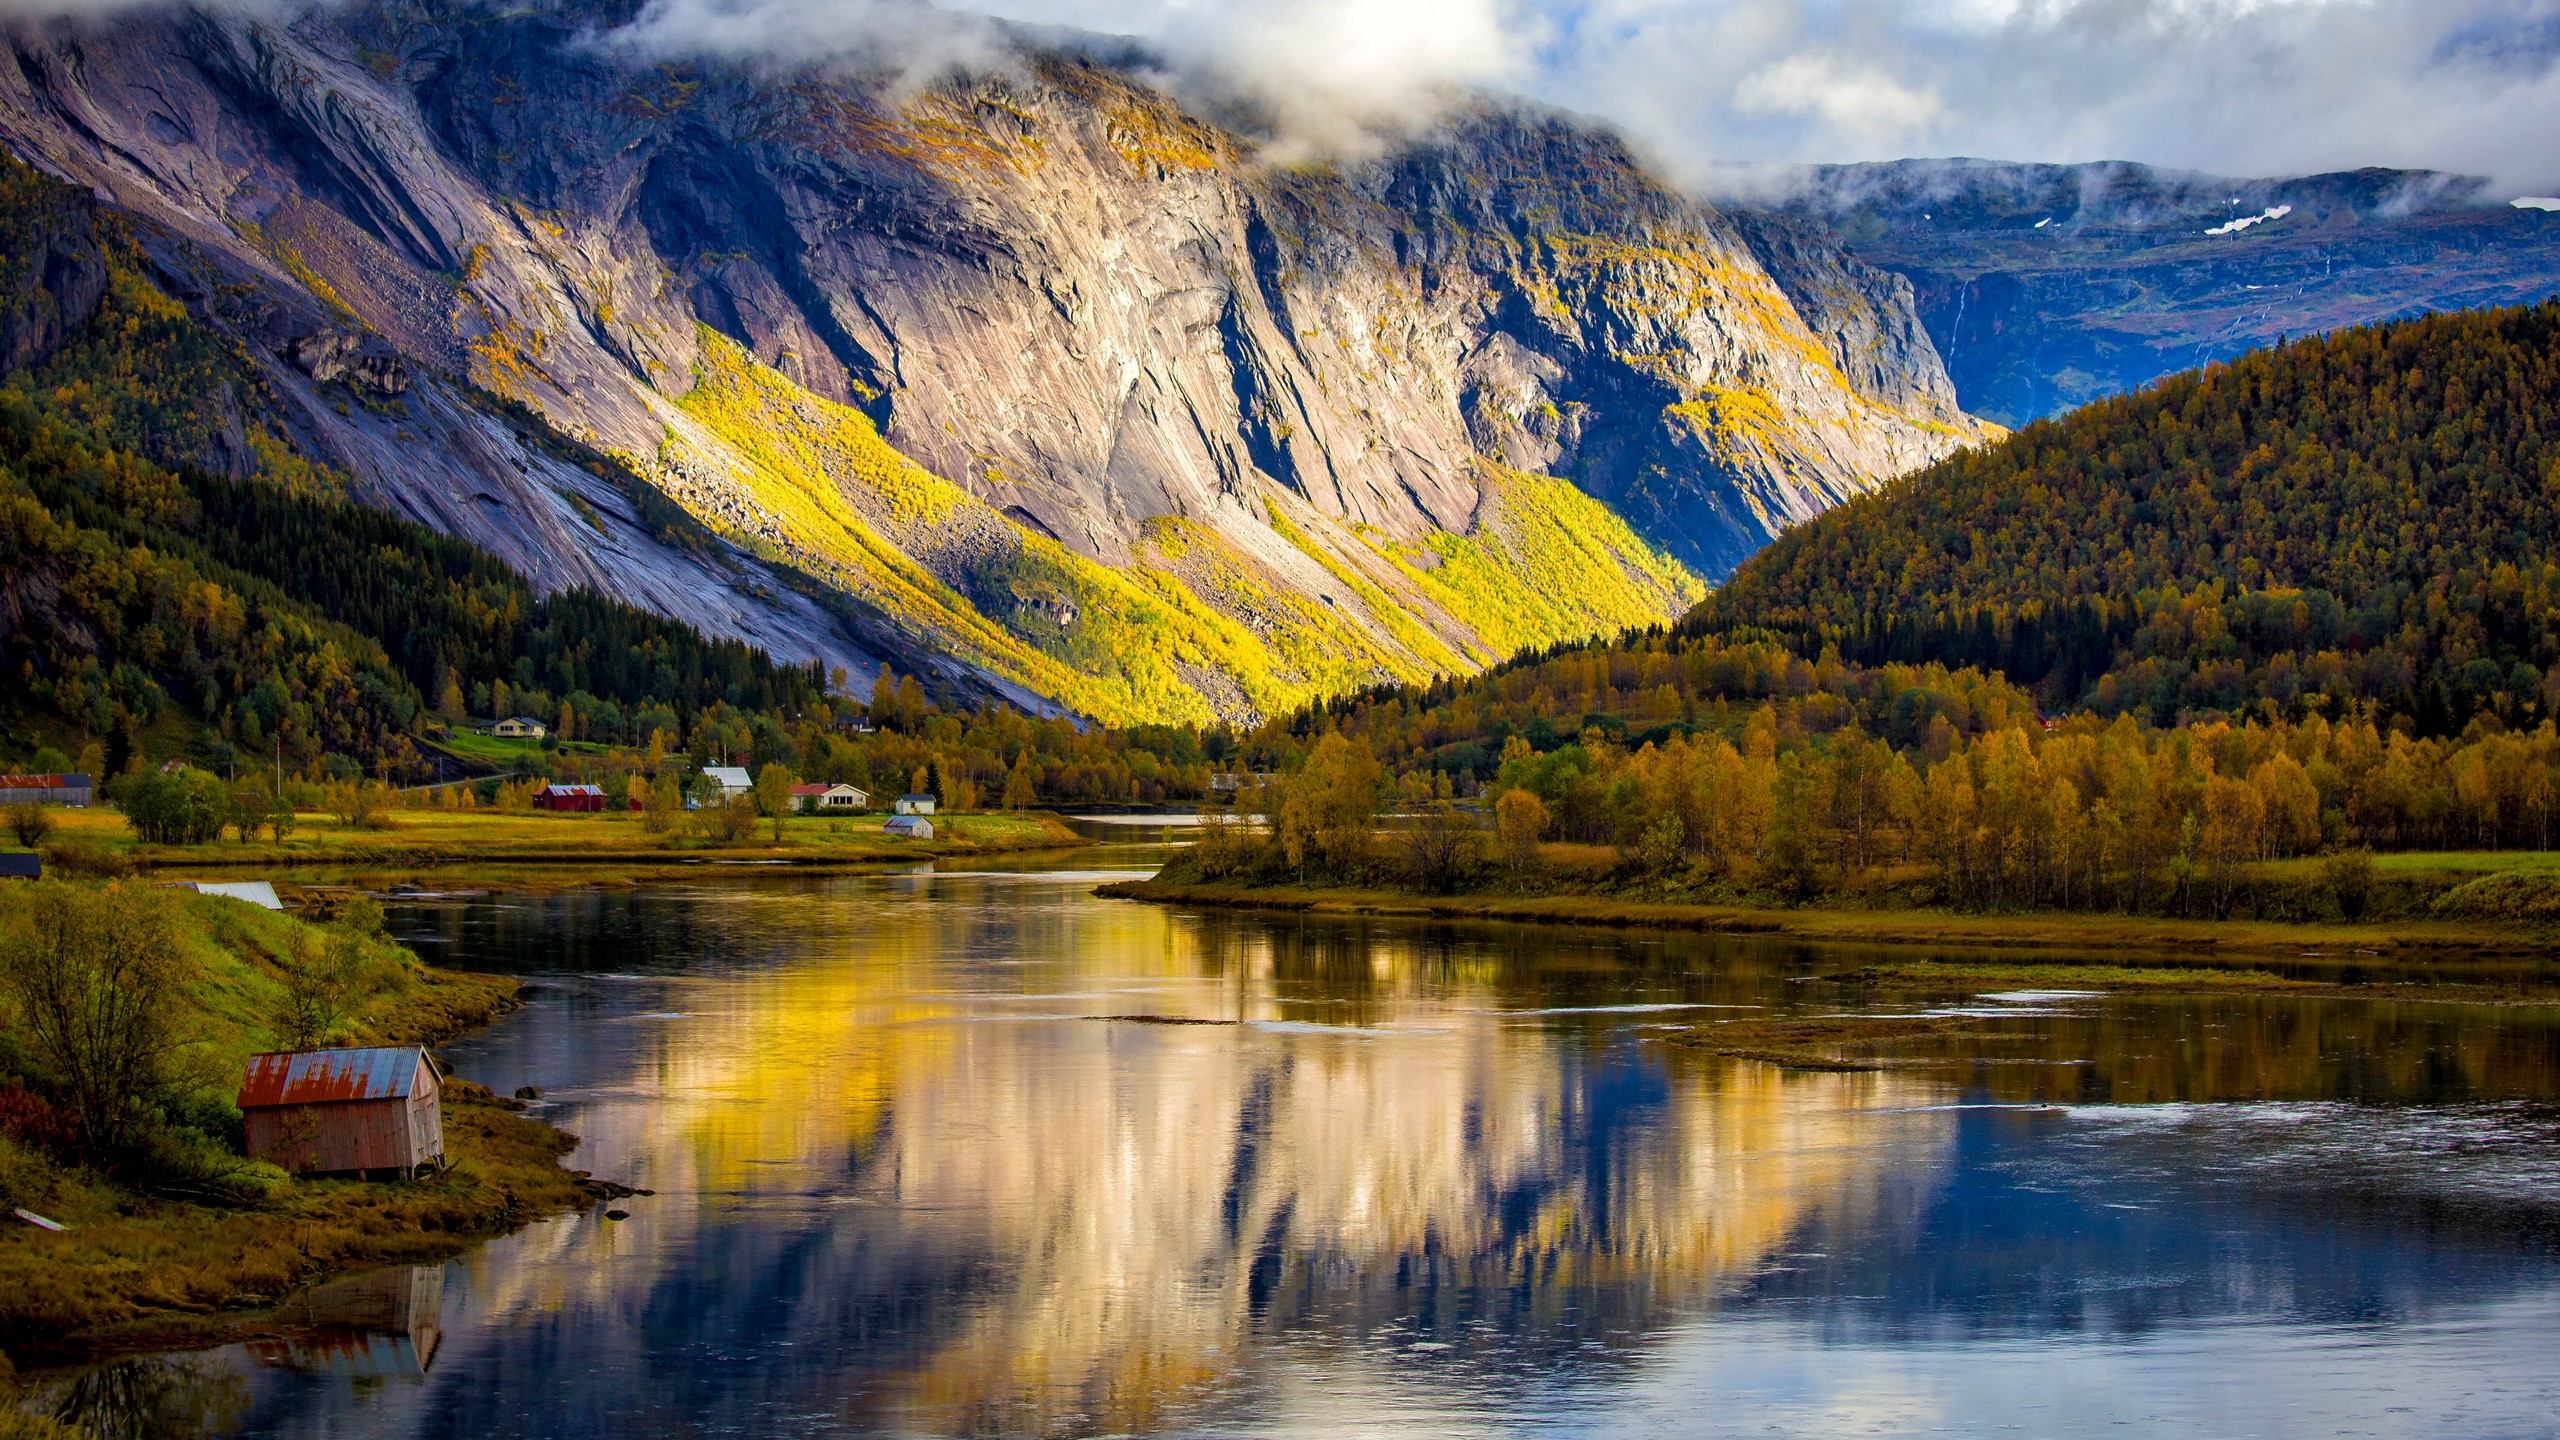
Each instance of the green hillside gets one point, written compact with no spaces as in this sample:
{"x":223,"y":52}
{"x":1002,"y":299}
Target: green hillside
{"x":2365,"y":519}
{"x":142,"y":596}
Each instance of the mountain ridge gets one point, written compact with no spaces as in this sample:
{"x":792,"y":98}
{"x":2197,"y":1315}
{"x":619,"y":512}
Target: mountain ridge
{"x":1093,"y":315}
{"x":2049,"y":286}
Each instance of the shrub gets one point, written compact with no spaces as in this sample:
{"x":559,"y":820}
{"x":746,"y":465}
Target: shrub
{"x":98,"y":981}
{"x":180,"y":807}
{"x":1443,"y":847}
{"x":2348,"y":874}
{"x":30,"y":823}
{"x":72,"y":857}
{"x":2515,"y":895}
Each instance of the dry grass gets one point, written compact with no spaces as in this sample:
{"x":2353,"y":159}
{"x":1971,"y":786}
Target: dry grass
{"x":432,"y":837}
{"x":133,"y":1273}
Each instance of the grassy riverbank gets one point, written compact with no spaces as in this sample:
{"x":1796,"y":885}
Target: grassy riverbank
{"x":2379,"y":942}
{"x":176,"y":1237}
{"x":406,"y":838}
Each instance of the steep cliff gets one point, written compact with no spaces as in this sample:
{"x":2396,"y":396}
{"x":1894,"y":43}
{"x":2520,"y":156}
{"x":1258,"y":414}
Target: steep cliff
{"x":1030,"y":377}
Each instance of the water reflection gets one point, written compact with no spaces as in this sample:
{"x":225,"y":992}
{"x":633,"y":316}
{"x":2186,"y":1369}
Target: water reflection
{"x":383,"y":1323}
{"x":986,"y":1155}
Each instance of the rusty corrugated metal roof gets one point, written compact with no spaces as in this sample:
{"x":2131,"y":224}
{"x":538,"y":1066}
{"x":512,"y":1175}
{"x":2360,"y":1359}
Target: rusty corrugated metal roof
{"x":313,"y":1077}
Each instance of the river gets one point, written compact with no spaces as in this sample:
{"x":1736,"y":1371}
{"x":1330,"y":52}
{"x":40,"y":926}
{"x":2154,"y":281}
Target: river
{"x":980,"y":1153}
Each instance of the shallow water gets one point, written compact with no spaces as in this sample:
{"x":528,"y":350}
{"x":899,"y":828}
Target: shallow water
{"x":930,"y":1159}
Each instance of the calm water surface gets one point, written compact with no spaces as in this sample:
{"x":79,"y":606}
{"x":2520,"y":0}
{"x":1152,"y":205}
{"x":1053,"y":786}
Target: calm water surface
{"x":931,"y":1159}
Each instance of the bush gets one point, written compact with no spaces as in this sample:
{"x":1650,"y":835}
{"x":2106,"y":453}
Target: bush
{"x":2515,"y":895}
{"x":98,"y":983}
{"x":181,"y":807}
{"x":1443,"y":848}
{"x":1228,"y":845}
{"x":728,"y":819}
{"x":71,"y":857}
{"x":30,"y":823}
{"x":2348,"y":874}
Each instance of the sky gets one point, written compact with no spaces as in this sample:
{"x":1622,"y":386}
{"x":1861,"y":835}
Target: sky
{"x":2234,"y":87}
{"x":2243,"y":87}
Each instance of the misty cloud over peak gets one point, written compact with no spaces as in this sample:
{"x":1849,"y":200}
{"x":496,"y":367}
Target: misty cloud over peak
{"x":2234,"y":87}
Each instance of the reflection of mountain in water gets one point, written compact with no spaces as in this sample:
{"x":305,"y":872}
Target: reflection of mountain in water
{"x":902,"y":1184}
{"x":971,"y":1212}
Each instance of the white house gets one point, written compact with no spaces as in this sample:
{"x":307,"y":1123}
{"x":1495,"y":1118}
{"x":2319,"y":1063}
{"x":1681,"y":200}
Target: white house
{"x":909,"y":827}
{"x":733,"y":780}
{"x":519,"y":727}
{"x":839,"y":798}
{"x":915,"y":804}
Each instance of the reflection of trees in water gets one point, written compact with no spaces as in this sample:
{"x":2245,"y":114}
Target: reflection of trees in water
{"x":153,"y":1399}
{"x":2266,"y":1047}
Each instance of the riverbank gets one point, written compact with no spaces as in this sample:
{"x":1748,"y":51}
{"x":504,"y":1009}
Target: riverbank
{"x":2381,"y":945}
{"x":98,"y":840}
{"x":195,"y":1251}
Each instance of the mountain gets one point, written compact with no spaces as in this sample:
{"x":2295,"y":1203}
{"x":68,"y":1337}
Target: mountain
{"x":2048,"y":286}
{"x":2354,"y":534}
{"x":2359,"y":520}
{"x":1036,"y":381}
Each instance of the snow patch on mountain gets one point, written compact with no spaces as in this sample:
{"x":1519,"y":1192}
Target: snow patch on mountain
{"x":2234,"y":227}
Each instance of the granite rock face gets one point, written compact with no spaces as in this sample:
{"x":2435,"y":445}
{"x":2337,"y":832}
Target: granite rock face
{"x":1140,"y":391}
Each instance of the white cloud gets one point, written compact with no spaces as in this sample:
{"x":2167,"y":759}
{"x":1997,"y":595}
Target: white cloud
{"x":2246,"y":87}
{"x":1330,"y":76}
{"x":1854,"y":100}
{"x":2236,"y":86}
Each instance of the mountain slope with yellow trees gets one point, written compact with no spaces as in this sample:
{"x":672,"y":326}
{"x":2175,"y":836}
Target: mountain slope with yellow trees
{"x":1032,"y":380}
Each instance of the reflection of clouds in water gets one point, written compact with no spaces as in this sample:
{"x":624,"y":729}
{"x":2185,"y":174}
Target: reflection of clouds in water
{"x":1791,"y":1376}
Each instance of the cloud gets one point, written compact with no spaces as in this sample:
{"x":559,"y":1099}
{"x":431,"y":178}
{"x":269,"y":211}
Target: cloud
{"x":1845,"y":97}
{"x":1323,"y":77}
{"x":2246,"y":87}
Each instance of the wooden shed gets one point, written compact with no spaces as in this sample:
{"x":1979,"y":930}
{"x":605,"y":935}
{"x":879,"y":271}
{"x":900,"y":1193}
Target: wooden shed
{"x":569,"y":798}
{"x":340,"y":1111}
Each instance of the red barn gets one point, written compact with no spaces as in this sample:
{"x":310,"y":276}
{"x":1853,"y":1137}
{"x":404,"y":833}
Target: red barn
{"x":326,"y":1111}
{"x":569,"y":797}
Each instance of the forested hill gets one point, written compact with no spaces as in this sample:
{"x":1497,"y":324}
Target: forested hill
{"x":2365,"y":517}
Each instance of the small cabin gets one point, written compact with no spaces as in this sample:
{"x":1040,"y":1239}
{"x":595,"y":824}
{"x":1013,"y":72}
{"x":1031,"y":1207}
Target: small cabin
{"x":47,"y":790}
{"x":915,"y":804}
{"x":909,"y":827}
{"x":837,"y":798}
{"x":733,"y":780}
{"x":579,"y":798}
{"x":519,"y":727}
{"x":331,"y":1112}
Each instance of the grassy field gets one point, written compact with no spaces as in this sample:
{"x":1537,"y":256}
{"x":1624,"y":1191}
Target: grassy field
{"x":474,"y":748}
{"x":438,"y":837}
{"x":2194,"y":941}
{"x":151,"y":1262}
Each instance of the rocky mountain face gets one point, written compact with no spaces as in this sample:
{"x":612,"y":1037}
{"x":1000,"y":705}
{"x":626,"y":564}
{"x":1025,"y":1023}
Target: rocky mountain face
{"x":1034,"y":379}
{"x":2047,"y":286}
